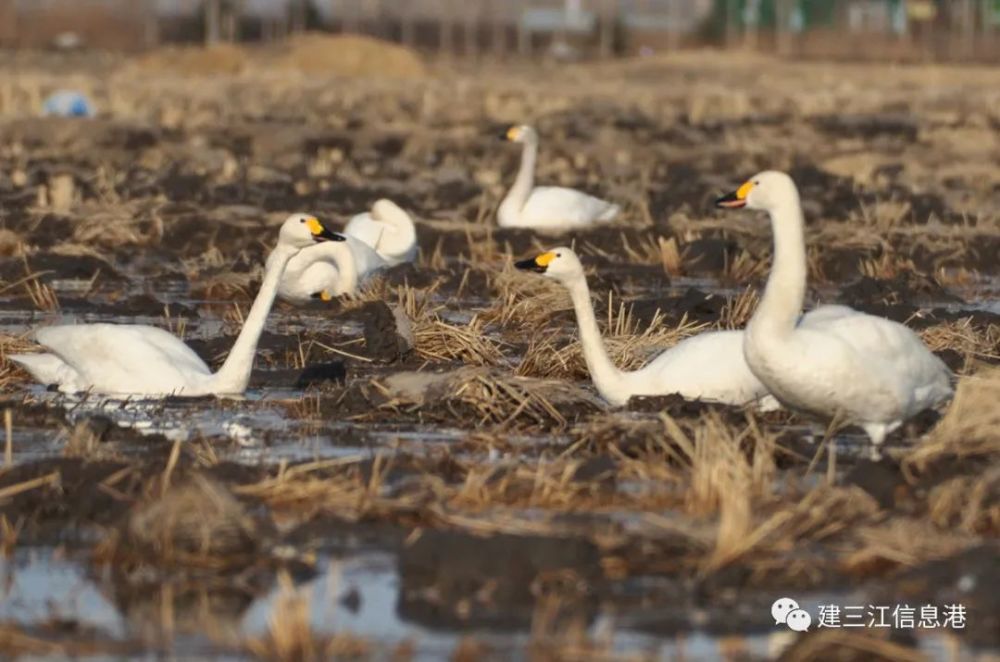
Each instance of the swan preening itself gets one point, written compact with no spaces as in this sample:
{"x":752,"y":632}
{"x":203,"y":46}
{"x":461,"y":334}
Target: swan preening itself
{"x":709,"y":366}
{"x":375,"y":240}
{"x":546,"y":207}
{"x":845,"y":366}
{"x":134,"y":359}
{"x":388,"y":229}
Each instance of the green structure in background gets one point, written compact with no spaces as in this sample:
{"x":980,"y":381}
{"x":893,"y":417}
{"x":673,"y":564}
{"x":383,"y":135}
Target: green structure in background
{"x":803,"y":15}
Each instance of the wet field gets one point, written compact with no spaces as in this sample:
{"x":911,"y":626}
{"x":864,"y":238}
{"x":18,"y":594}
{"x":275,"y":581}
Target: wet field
{"x":470,"y":495}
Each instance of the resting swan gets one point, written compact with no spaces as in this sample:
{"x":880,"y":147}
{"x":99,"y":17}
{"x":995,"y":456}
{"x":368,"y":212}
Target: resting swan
{"x":546,"y":207}
{"x":382,"y":238}
{"x":845,"y":366}
{"x":388,"y":230}
{"x":135,"y":359}
{"x":709,"y":366}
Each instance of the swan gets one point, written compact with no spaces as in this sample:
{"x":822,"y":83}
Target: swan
{"x":709,"y":366}
{"x":382,"y":238}
{"x":388,"y":229}
{"x":844,"y":365}
{"x":328,"y":270}
{"x":140,"y":360}
{"x":546,"y":207}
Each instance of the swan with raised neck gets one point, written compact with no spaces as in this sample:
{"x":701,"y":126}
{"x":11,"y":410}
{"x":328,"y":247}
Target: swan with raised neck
{"x":836,"y":363}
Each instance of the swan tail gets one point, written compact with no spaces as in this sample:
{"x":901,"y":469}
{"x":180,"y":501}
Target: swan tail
{"x":767,"y":403}
{"x":44,"y":368}
{"x":611,"y":212}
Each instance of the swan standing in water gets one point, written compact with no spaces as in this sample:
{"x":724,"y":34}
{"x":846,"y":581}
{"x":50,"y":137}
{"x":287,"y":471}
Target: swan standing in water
{"x":376,"y":240}
{"x":546,"y":207}
{"x":135,"y":359}
{"x":844,"y":366}
{"x":709,"y":366}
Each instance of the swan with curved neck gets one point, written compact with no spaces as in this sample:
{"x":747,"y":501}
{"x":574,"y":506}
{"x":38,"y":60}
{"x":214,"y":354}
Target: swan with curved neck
{"x":546,"y":207}
{"x":846,"y":366}
{"x":140,"y":360}
{"x":388,"y":229}
{"x":375,"y":240}
{"x":709,"y":366}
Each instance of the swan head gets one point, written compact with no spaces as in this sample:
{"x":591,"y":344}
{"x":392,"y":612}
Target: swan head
{"x":561,"y":263}
{"x":521,"y":133}
{"x":764,"y":191}
{"x":302,"y":230}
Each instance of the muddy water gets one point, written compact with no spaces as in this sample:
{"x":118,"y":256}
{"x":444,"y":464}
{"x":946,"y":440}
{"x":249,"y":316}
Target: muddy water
{"x":363,"y":584}
{"x":364,"y":594}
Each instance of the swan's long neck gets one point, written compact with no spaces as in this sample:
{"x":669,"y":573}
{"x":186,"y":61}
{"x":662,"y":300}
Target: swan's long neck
{"x":525,"y":181}
{"x":608,"y":379}
{"x":234,"y":375}
{"x":784,"y":295}
{"x":404,"y":237}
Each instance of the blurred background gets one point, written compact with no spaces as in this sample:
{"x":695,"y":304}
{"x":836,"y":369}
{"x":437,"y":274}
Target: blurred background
{"x":942,"y":30}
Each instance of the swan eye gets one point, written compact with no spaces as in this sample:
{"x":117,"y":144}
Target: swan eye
{"x":558,"y":254}
{"x":757,"y":183}
{"x":302,"y":220}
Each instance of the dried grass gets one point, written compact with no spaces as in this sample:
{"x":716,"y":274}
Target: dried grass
{"x":111,"y":228}
{"x":502,"y":399}
{"x":291,"y":638}
{"x":819,"y":515}
{"x":971,"y":340}
{"x":438,"y":340}
{"x":739,"y":309}
{"x":745,"y":267}
{"x":524,"y":301}
{"x":971,"y":503}
{"x":11,"y":373}
{"x":900,"y":541}
{"x":628,"y":345}
{"x":490,"y":396}
{"x":841,"y":644}
{"x":55,"y":640}
{"x":198,"y":518}
{"x":970,"y":428}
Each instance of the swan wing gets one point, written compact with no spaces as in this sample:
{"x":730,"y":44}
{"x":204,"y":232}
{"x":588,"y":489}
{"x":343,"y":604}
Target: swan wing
{"x":366,"y":259}
{"x":137,"y":359}
{"x":552,"y":206}
{"x":709,"y":366}
{"x":899,"y":352}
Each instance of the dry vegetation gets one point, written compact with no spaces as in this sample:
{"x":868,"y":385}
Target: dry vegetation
{"x":164,"y":208}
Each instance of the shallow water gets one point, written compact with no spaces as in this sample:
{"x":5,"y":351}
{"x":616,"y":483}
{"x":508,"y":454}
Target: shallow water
{"x":359,"y":593}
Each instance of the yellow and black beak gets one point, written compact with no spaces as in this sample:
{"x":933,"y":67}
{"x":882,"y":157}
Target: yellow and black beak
{"x":537,"y":264}
{"x":322,"y":233}
{"x":511,"y":134}
{"x":736,"y":199}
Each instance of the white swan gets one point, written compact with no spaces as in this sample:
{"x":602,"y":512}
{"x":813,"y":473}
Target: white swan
{"x":382,"y":238}
{"x":388,"y":229}
{"x":843,"y":365}
{"x":142,"y":360}
{"x":709,"y":366}
{"x":328,"y":270}
{"x":546,"y":207}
